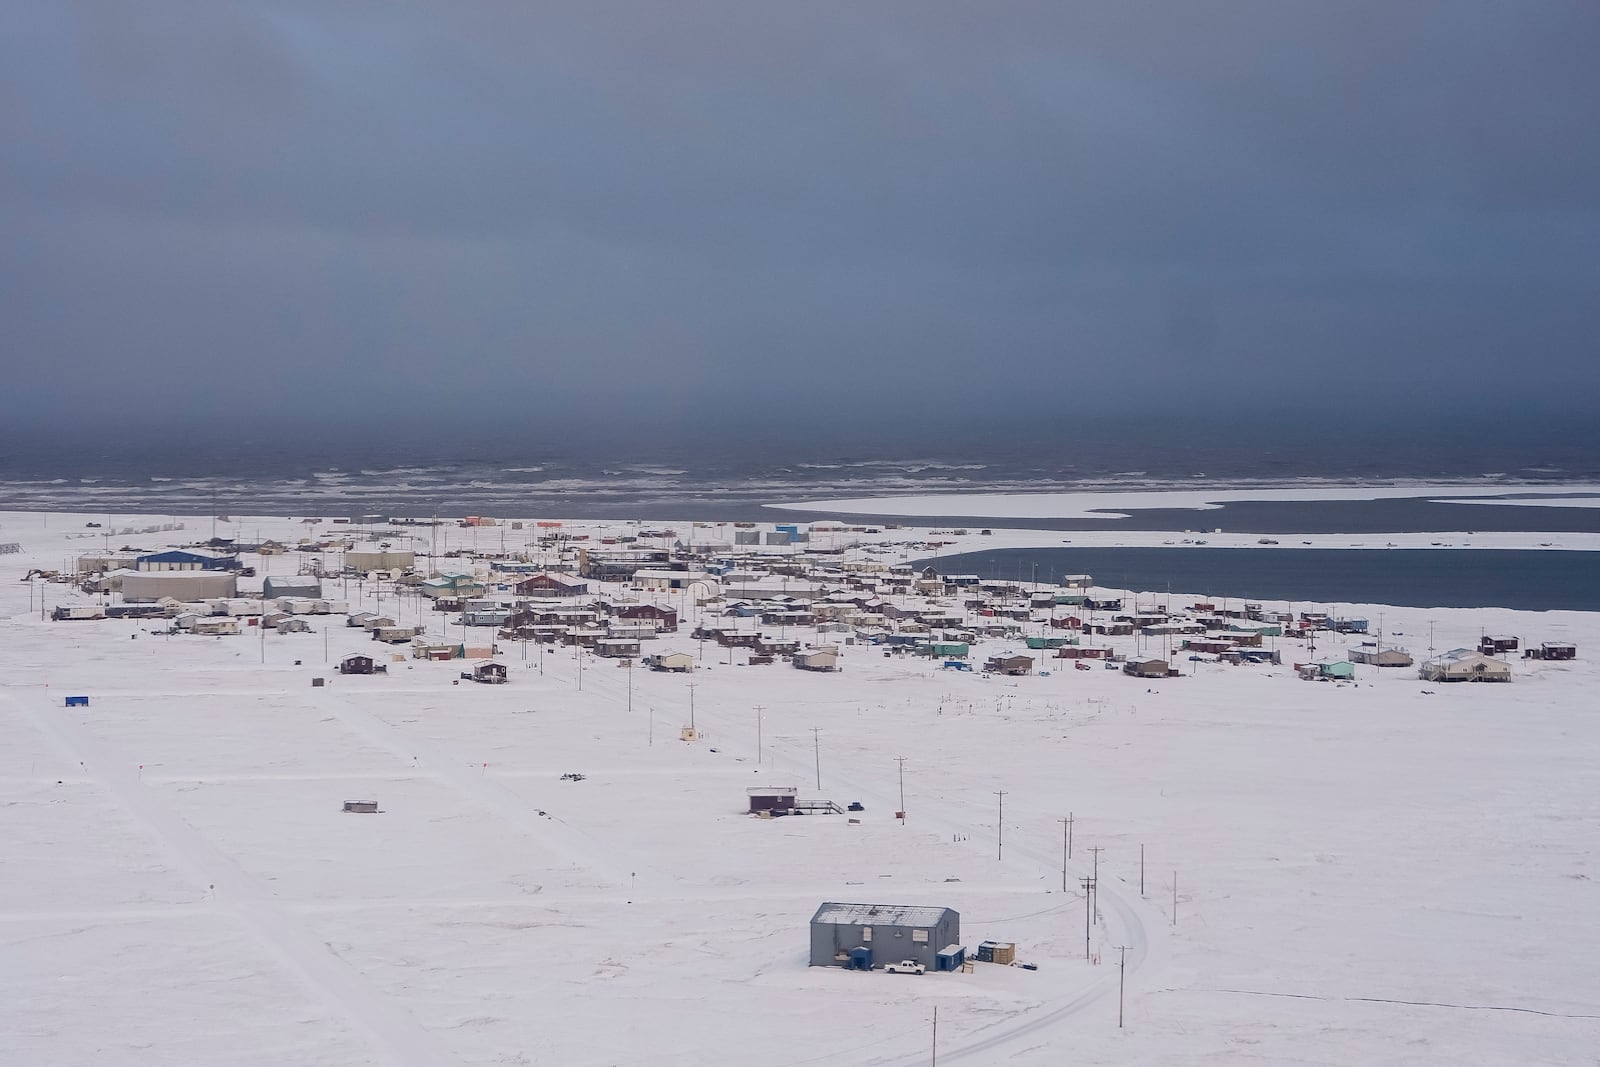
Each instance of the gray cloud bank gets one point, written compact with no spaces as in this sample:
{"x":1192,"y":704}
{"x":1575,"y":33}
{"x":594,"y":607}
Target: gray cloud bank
{"x":656,"y":212}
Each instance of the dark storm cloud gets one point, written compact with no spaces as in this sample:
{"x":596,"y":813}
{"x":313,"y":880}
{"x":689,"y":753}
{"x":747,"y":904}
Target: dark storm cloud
{"x":671,"y":209}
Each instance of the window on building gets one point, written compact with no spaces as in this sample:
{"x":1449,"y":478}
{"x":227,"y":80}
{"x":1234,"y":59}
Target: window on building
{"x":920,"y":935}
{"x":866,"y":933}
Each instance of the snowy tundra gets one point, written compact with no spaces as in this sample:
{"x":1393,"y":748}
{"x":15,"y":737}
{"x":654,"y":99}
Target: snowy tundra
{"x":1289,"y":872}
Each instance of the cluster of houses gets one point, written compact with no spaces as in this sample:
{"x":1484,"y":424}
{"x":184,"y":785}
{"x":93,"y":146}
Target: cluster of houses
{"x":759,"y":597}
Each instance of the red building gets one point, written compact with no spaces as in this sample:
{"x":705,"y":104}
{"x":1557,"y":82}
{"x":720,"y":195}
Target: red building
{"x":666,"y":619}
{"x":551,"y":585}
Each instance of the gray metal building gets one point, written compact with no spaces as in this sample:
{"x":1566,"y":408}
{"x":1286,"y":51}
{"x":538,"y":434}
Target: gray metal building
{"x":306,"y":585}
{"x":890,"y":931}
{"x":149,"y":586}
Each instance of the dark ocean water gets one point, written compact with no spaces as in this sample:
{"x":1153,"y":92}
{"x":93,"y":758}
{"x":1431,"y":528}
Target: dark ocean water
{"x":446,"y":471}
{"x":449,"y":471}
{"x":1545,"y":580}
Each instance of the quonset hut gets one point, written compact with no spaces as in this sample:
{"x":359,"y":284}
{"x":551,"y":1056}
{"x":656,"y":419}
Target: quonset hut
{"x":887,"y":933}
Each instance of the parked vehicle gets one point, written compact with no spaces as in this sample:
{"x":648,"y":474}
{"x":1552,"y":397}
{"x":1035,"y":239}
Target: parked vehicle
{"x":904,"y":967}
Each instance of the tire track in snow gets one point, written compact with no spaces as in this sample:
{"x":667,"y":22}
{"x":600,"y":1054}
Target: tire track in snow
{"x":399,"y":1037}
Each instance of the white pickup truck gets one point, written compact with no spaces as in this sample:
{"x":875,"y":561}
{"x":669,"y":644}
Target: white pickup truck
{"x":905,"y":967}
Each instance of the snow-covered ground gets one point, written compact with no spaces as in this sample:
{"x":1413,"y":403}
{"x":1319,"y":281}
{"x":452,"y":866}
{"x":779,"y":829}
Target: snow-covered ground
{"x":1389,"y":872}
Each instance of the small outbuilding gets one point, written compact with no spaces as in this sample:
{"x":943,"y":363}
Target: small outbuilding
{"x":489,"y":673}
{"x":887,"y":932}
{"x":359,"y":664}
{"x":772,"y":799}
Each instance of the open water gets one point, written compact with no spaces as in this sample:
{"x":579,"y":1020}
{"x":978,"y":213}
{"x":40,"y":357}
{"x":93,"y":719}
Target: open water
{"x":1543,"y":580}
{"x":714,"y":477}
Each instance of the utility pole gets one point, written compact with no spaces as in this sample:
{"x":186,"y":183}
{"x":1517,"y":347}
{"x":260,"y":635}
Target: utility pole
{"x":1000,"y":826}
{"x":691,"y":705}
{"x":1069,"y":835}
{"x":1122,"y":980}
{"x":902,"y":761}
{"x":1088,"y":886}
{"x":630,"y":684}
{"x":1096,"y":874}
{"x":816,"y":746}
{"x":759,"y":709}
{"x":934,"y":1061}
{"x":1066,"y":850}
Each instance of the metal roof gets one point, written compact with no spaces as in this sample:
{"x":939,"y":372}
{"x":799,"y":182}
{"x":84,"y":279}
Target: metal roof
{"x":880,"y":914}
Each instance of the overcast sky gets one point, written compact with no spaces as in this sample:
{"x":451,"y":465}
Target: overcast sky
{"x":668,"y":210}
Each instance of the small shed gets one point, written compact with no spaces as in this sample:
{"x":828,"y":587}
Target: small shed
{"x":489,"y":673}
{"x":616,"y":647}
{"x":772,"y":799}
{"x":1493,"y":644}
{"x":1552,"y":650}
{"x":950,"y":958}
{"x":359,"y":664}
{"x":361,"y":807}
{"x":1001,"y":952}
